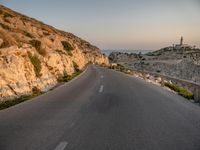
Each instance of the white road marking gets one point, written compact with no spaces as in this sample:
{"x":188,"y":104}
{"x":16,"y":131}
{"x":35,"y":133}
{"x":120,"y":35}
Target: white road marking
{"x":102,"y":76}
{"x":61,"y":146}
{"x":101,"y":89}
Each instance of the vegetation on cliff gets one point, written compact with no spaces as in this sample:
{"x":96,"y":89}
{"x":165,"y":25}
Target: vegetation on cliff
{"x":36,"y":63}
{"x":36,"y":54}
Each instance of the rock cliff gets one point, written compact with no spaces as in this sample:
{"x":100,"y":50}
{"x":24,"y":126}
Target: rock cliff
{"x":34,"y":55}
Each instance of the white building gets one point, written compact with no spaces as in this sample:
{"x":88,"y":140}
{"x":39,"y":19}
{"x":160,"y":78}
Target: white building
{"x":182,"y":46}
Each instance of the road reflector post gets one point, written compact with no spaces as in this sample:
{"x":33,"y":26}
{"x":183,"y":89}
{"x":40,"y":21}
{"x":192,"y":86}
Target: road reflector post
{"x":197,"y":94}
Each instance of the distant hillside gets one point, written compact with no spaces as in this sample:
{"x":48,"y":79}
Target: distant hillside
{"x":33,"y":54}
{"x":183,"y":63}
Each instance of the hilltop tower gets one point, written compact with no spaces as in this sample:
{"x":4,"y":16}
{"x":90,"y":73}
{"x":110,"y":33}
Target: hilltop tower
{"x":181,"y":41}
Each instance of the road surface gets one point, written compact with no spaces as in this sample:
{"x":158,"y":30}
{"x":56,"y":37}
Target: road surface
{"x":102,"y":110}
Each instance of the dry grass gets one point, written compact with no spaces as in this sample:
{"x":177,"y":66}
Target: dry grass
{"x":180,"y":90}
{"x":8,"y":40}
{"x":6,"y":104}
{"x":36,"y":63}
{"x":37,"y":44}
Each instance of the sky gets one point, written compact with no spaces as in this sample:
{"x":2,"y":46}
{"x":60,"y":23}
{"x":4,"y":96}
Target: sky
{"x":119,"y":24}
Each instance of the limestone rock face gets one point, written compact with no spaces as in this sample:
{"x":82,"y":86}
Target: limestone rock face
{"x":34,"y":55}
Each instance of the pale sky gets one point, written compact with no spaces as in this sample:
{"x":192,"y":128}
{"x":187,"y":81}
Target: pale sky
{"x":119,"y":24}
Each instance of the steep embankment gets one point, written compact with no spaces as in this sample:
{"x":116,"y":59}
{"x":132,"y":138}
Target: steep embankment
{"x":34,"y":55}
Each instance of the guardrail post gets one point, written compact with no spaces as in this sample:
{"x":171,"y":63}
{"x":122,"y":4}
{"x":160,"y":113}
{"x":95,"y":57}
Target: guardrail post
{"x":197,"y":94}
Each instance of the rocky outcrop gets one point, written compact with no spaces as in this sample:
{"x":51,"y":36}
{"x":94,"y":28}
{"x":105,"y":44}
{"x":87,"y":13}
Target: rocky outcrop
{"x":34,"y":55}
{"x":181,"y":64}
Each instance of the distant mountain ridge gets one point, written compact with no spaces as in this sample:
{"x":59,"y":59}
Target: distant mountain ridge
{"x":33,"y":54}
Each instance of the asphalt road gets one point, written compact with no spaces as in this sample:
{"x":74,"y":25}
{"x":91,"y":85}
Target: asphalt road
{"x":102,"y":110}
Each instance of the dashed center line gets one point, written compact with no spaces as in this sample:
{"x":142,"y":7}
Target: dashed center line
{"x":101,"y":89}
{"x":61,"y":146}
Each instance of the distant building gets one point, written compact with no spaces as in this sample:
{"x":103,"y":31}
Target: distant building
{"x":182,"y":45}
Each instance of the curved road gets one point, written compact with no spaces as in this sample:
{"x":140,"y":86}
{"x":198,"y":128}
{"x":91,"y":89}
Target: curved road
{"x":102,"y":110}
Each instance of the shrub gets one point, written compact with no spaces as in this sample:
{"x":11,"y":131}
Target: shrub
{"x":7,"y":15}
{"x":28,"y":34}
{"x":122,"y":68}
{"x":6,"y":104}
{"x":181,"y":91}
{"x":36,"y":91}
{"x":1,"y":12}
{"x":6,"y":20}
{"x":36,"y":63}
{"x":158,"y":71}
{"x":143,"y":58}
{"x":42,"y":52}
{"x":185,"y":93}
{"x":76,"y":67}
{"x":75,"y":74}
{"x":67,"y":46}
{"x":5,"y":26}
{"x":5,"y":44}
{"x":66,"y":77}
{"x":37,"y":45}
{"x":61,"y":52}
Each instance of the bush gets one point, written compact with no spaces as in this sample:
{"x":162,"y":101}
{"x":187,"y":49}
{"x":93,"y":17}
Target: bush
{"x":67,"y":46}
{"x":181,"y":91}
{"x":6,"y":104}
{"x":36,"y":91}
{"x":7,"y":15}
{"x":122,"y":68}
{"x":5,"y":44}
{"x":143,"y":58}
{"x":5,"y":27}
{"x":36,"y":63}
{"x":158,"y":71}
{"x":37,"y":45}
{"x":76,"y":67}
{"x":66,"y":77}
{"x":1,"y":12}
{"x":28,"y":35}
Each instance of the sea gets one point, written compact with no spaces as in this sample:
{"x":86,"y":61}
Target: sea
{"x":108,"y":52}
